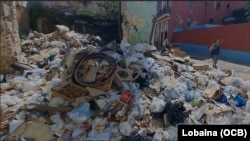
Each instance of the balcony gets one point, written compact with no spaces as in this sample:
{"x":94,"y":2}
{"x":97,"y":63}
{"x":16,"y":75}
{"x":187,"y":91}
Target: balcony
{"x":163,"y":11}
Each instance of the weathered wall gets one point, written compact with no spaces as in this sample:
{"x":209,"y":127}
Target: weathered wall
{"x":236,"y":36}
{"x":10,"y":43}
{"x":137,"y":20}
{"x":235,"y":47}
{"x":197,"y":13}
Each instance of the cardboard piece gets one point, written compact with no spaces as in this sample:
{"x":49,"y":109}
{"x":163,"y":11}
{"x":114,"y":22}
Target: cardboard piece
{"x":68,"y":91}
{"x":213,"y":93}
{"x":200,"y":67}
{"x":178,"y":52}
{"x":95,"y":92}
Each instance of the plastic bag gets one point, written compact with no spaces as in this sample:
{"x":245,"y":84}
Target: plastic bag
{"x":246,"y":119}
{"x":18,"y":82}
{"x":34,"y":74}
{"x":32,"y":85}
{"x":239,"y":101}
{"x":230,"y":91}
{"x":179,"y":87}
{"x":81,"y":113}
{"x":157,"y":105}
{"x":172,"y":133}
{"x":200,"y":112}
{"x":125,"y":128}
{"x":5,"y":86}
{"x":211,"y":84}
{"x":125,"y":47}
{"x":58,"y":123}
{"x":158,"y":135}
{"x":188,"y":95}
{"x":171,"y":93}
{"x":147,"y":63}
{"x":222,"y":99}
{"x":247,"y":107}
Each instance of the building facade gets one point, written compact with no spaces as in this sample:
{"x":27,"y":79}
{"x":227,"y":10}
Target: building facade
{"x":186,"y":14}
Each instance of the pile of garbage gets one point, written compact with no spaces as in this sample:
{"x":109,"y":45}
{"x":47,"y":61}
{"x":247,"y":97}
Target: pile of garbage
{"x":84,"y":90}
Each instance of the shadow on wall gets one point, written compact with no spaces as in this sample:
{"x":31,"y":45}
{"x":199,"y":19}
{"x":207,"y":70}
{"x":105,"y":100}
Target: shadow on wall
{"x":202,"y":52}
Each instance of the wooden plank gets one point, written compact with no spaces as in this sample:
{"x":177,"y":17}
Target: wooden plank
{"x":95,"y":92}
{"x":46,"y":108}
{"x":107,"y":85}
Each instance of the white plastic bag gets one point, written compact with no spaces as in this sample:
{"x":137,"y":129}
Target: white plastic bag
{"x":157,"y":105}
{"x":81,"y":113}
{"x":125,"y":47}
{"x":125,"y":128}
{"x":172,"y":133}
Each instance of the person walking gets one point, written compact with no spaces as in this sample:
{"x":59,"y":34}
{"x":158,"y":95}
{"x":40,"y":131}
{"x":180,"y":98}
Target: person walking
{"x":215,"y":52}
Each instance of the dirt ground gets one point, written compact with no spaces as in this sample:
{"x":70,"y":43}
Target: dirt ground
{"x":240,"y":70}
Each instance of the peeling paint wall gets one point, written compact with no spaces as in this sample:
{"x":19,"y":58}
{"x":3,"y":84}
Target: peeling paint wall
{"x":137,"y":19}
{"x":10,"y":42}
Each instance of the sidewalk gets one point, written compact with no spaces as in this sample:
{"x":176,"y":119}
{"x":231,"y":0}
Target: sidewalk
{"x":241,"y":70}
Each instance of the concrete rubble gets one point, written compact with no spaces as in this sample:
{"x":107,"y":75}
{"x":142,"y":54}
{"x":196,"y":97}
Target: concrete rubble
{"x":83,"y":90}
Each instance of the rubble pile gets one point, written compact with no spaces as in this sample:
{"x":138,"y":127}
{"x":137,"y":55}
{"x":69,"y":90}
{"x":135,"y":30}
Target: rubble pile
{"x":84,"y":90}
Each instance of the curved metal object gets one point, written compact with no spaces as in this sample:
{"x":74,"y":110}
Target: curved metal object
{"x":129,"y":74}
{"x":78,"y":72}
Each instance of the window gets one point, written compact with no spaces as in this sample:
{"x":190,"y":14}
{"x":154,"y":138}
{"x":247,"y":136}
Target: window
{"x":191,"y":4}
{"x":211,"y":20}
{"x":217,"y":6}
{"x":166,"y":26}
{"x":162,"y":30}
{"x":228,"y":5}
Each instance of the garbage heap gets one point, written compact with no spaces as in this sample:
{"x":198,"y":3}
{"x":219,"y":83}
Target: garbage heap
{"x":84,"y":90}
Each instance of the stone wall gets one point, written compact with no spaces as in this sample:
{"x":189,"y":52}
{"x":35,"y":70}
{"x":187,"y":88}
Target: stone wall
{"x":10,"y":50}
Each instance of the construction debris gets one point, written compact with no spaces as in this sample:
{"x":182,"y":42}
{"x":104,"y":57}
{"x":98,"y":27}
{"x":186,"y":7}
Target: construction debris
{"x":83,"y":90}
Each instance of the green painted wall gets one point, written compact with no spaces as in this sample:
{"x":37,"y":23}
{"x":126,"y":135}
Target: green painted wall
{"x":137,"y":20}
